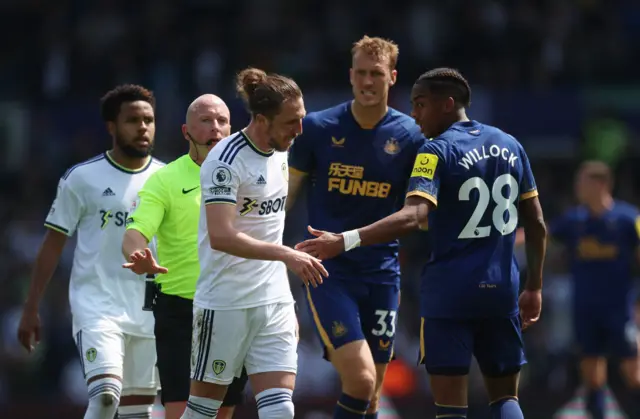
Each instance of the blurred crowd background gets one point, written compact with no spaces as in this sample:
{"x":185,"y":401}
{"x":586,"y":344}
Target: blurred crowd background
{"x":560,"y":75}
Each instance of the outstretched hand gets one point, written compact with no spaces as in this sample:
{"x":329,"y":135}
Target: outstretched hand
{"x":326,"y":245}
{"x":143,"y":262}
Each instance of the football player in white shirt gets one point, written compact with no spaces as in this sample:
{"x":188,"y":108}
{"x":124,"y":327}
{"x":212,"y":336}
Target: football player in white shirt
{"x":113,"y":334}
{"x":243,"y":308}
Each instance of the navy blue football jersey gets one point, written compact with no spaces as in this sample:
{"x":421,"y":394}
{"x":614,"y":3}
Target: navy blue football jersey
{"x":475,"y":175}
{"x":358,"y":176}
{"x":602,"y":251}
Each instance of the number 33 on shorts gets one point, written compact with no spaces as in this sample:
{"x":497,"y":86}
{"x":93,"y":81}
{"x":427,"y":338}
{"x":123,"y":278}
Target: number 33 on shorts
{"x":386,"y":323}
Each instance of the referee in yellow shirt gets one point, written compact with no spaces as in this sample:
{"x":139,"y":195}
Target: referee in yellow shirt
{"x":169,"y":209}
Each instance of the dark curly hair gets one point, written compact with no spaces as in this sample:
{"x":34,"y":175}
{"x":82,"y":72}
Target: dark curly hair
{"x":112,"y":101}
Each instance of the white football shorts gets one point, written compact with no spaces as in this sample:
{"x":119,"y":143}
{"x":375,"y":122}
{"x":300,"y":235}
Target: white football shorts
{"x":262,"y":339}
{"x":112,"y":352}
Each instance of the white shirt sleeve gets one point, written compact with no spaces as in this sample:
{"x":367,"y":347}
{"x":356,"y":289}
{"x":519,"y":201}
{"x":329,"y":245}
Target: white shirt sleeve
{"x":66,"y":209}
{"x":219,"y":183}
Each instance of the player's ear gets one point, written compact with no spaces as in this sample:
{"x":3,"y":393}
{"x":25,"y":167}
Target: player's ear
{"x":394,"y":77}
{"x":351,"y":76}
{"x":111,"y":128}
{"x":184,"y":132}
{"x":449,"y":104}
{"x":261,"y":119}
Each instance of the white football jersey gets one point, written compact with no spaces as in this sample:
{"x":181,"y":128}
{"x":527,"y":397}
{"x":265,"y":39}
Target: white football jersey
{"x":94,"y":198}
{"x":237,"y":173}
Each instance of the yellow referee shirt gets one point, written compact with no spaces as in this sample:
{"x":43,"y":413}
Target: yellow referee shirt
{"x":169,"y":209}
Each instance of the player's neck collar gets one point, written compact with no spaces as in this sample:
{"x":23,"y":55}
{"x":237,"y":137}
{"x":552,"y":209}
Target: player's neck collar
{"x":253,"y":146}
{"x":368,"y":125}
{"x":465,"y":124}
{"x":114,"y":163}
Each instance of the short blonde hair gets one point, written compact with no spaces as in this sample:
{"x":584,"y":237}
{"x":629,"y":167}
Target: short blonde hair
{"x":377,"y":48}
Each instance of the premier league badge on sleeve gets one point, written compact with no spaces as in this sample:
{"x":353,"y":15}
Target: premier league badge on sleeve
{"x":221,"y":176}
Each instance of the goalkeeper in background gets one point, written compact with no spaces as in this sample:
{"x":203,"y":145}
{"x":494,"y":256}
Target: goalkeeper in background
{"x":169,"y":209}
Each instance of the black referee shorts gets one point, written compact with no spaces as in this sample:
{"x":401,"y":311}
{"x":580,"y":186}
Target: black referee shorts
{"x":174,"y":321}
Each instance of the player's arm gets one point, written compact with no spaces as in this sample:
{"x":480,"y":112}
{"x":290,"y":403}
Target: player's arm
{"x":44,"y":267}
{"x":224,"y":237}
{"x":535,"y":229}
{"x":412,"y":216}
{"x":422,"y":196}
{"x":219,"y":183}
{"x":144,"y":220}
{"x":133,"y":241}
{"x":535,"y":239}
{"x":301,"y":160}
{"x":554,"y":230}
{"x":61,"y":223}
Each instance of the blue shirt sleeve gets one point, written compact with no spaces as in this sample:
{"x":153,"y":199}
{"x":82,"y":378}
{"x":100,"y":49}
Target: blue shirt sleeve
{"x":301,"y":153}
{"x":527,"y":185}
{"x":426,"y":172}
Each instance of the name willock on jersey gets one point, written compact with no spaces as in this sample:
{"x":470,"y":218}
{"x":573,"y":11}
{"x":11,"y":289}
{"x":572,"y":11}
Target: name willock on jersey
{"x":478,"y":154}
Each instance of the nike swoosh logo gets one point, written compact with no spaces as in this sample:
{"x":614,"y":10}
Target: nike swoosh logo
{"x":186,"y":191}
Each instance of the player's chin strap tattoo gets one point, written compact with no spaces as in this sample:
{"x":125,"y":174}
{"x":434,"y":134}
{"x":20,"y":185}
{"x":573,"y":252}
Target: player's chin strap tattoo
{"x":195,"y":144}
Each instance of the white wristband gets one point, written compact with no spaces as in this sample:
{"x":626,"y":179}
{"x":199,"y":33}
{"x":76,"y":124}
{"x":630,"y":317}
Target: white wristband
{"x":351,"y":240}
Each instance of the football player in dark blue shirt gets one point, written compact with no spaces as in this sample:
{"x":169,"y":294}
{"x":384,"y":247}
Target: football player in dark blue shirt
{"x":471,"y":184}
{"x":602,"y":239}
{"x":358,"y":156}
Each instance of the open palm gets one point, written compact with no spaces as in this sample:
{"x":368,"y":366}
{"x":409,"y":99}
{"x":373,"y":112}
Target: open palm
{"x":143,"y":262}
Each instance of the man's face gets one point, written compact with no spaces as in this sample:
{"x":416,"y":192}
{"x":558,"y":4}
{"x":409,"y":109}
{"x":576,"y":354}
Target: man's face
{"x":371,"y":79}
{"x":209,"y":123}
{"x":135,"y":128}
{"x":286,"y":125}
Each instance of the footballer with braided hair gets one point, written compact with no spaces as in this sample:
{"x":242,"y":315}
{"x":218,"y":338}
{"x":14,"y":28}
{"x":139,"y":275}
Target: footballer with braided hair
{"x":472,"y":183}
